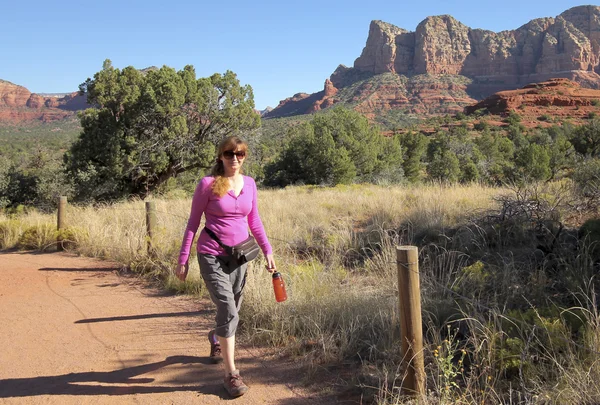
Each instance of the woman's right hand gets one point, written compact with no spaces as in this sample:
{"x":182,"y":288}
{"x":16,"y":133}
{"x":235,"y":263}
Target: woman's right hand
{"x":181,"y":271}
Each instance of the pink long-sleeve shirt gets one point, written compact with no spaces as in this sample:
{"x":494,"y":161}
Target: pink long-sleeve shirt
{"x":228,"y":217}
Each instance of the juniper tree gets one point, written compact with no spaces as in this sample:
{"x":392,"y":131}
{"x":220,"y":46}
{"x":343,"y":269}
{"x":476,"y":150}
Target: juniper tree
{"x":146,"y":127}
{"x":335,"y":147}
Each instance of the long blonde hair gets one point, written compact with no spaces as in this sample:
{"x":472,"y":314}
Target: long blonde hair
{"x":221,"y":184}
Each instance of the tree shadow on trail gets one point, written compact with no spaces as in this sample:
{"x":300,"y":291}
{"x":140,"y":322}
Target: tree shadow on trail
{"x":146,"y":316}
{"x":80,"y":269}
{"x":79,"y":383}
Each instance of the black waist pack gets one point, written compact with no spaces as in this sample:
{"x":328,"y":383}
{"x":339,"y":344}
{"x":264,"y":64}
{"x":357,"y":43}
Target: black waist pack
{"x":242,"y":252}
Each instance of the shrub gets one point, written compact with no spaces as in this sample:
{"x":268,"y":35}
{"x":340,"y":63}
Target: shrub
{"x":481,"y":125}
{"x":481,"y":112}
{"x":472,"y":279}
{"x":444,"y":167}
{"x":38,"y":237}
{"x":469,"y":172}
{"x":586,"y":138}
{"x":71,"y":237}
{"x":337,"y":147}
{"x":587,"y":179}
{"x":9,"y":233}
{"x":533,"y":162}
{"x":460,"y":116}
{"x":590,"y":233}
{"x":596,"y":103}
{"x":513,"y":118}
{"x":38,"y":182}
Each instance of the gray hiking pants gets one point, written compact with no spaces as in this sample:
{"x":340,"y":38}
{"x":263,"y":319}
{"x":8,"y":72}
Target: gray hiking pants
{"x":225,"y":282}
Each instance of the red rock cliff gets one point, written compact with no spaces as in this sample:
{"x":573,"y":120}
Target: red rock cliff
{"x":12,"y":95}
{"x":19,"y":104}
{"x":443,"y":45}
{"x":444,"y":65}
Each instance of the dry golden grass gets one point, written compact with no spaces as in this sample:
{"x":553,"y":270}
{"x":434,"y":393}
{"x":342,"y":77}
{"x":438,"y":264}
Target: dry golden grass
{"x":336,"y":250}
{"x":289,"y":215}
{"x":290,"y":212}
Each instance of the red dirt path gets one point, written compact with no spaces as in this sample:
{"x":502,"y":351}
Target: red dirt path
{"x":75,"y":331}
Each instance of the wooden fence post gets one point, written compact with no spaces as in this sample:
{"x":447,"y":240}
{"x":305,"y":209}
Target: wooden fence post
{"x":150,"y":224}
{"x":411,"y":328}
{"x":62,"y":209}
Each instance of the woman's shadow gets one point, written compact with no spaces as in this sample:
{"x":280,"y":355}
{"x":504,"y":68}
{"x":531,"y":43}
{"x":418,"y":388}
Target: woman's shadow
{"x":79,"y":383}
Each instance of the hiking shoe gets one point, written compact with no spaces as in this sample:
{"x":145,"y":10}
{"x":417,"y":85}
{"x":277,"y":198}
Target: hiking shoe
{"x":215,"y":348}
{"x":234,"y":385}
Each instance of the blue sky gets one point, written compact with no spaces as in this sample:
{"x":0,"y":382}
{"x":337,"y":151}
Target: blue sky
{"x":278,"y":47}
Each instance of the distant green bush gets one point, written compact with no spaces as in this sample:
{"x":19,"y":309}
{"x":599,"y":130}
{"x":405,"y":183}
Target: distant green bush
{"x":513,"y":118}
{"x":339,"y":146}
{"x":481,"y":112}
{"x":586,"y":138}
{"x":460,"y":116}
{"x":587,"y":179}
{"x":481,"y":125}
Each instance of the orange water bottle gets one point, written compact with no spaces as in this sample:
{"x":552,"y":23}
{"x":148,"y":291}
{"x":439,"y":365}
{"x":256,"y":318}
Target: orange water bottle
{"x":279,"y":287}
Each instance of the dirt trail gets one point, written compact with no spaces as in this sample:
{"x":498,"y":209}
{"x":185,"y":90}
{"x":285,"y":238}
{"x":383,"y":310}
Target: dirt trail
{"x":73,"y":331}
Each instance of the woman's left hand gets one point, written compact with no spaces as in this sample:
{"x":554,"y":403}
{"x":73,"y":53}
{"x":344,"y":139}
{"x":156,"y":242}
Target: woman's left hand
{"x":271,"y":267}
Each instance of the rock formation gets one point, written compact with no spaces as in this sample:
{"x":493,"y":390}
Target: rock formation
{"x":12,"y":95}
{"x":554,"y":92}
{"x":443,"y":45}
{"x":567,"y":46}
{"x":556,"y":98}
{"x":19,"y":104}
{"x":380,"y":54}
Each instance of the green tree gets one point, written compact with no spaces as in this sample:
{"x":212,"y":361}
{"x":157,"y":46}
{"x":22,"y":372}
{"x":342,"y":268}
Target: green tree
{"x":467,"y":152}
{"x":443,"y":162}
{"x":338,"y":146}
{"x":513,"y":119}
{"x":496,"y":157}
{"x":444,"y":166}
{"x":311,"y":158}
{"x":389,"y":168}
{"x":516,"y":133}
{"x":560,"y":151}
{"x":586,"y":139}
{"x":145,"y":128}
{"x":586,"y":176}
{"x":533,"y":163}
{"x":414,"y":146}
{"x":468,"y":171}
{"x":38,"y":181}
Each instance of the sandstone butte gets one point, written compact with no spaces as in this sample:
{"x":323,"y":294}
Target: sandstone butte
{"x":444,"y":65}
{"x":441,"y":67}
{"x":17,"y":104}
{"x":541,"y":104}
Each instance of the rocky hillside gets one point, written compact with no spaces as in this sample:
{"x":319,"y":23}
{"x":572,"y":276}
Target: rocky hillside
{"x":445,"y":65}
{"x":17,"y":104}
{"x":372,"y":94}
{"x":540,"y":103}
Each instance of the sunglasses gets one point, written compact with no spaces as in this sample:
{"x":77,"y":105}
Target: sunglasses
{"x":229,"y":154}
